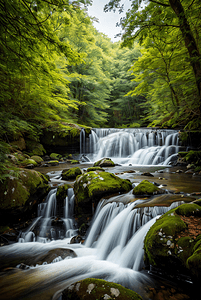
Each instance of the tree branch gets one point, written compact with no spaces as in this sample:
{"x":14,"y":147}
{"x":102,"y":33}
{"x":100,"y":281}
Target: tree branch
{"x":162,"y":4}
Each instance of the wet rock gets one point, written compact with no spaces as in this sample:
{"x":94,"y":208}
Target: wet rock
{"x":20,"y":195}
{"x":53,"y":163}
{"x":76,"y":239}
{"x":37,"y":159}
{"x":71,"y":173}
{"x":173,"y":243}
{"x":98,"y":289}
{"x":90,"y":187}
{"x":147,"y":188}
{"x":104,"y":162}
{"x":54,"y":254}
{"x":147,"y":174}
{"x":62,"y":192}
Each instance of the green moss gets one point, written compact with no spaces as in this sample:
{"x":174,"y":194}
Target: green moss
{"x":185,"y":248}
{"x":95,"y":169}
{"x":4,"y":229}
{"x":189,"y":209}
{"x":95,"y":184}
{"x":55,"y":156}
{"x":29,"y":161}
{"x":37,"y":159}
{"x":16,"y":191}
{"x":62,"y":191}
{"x":146,"y":188}
{"x":166,"y":228}
{"x":96,"y":289}
{"x":71,"y":173}
{"x":53,"y":162}
{"x":73,"y":162}
{"x":193,"y":156}
{"x":194,"y":262}
{"x":104,"y":162}
{"x":198,"y":169}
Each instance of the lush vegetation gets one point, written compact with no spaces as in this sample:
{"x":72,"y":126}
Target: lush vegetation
{"x":168,"y":72}
{"x":57,"y":70}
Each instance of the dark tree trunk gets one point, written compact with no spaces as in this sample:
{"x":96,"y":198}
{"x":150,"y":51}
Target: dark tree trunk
{"x":190,"y":43}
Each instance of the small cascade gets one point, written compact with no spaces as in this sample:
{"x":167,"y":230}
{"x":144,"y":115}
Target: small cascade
{"x":55,"y":220}
{"x":138,"y":146}
{"x":116,"y":227}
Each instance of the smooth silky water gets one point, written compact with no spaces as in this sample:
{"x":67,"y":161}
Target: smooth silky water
{"x":113,"y":248}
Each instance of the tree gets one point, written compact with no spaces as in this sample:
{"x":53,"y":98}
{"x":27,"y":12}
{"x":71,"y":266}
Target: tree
{"x":175,"y":18}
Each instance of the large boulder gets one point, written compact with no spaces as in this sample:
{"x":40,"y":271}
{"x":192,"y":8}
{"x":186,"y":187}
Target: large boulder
{"x":20,"y":193}
{"x":97,"y":289}
{"x":94,"y":185}
{"x":90,"y":187}
{"x":173,"y":243}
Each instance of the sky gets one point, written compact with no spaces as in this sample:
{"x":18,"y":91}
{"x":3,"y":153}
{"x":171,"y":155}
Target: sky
{"x":107,"y":21}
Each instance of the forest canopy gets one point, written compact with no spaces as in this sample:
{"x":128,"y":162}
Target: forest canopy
{"x":56,"y":68}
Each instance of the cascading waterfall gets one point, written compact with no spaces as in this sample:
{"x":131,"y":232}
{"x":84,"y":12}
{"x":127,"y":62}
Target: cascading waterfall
{"x":55,"y":220}
{"x":131,"y":145}
{"x":113,"y":249}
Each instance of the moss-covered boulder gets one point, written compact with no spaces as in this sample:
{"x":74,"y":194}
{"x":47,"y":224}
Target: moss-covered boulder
{"x":55,"y":156}
{"x":37,"y":159}
{"x":20,"y":193}
{"x":104,"y":162}
{"x":147,"y":188}
{"x":94,"y":185}
{"x":98,"y":289}
{"x":28,"y":162}
{"x":71,"y":174}
{"x":174,"y":241}
{"x":90,"y":187}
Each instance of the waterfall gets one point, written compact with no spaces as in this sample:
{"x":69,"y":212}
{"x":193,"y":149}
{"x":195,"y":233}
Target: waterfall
{"x":136,"y":146}
{"x":113,"y":249}
{"x":55,"y":220}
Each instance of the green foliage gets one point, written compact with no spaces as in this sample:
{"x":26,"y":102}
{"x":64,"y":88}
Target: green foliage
{"x":167,"y":72}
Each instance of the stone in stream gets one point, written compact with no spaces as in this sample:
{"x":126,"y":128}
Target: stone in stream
{"x":98,"y":289}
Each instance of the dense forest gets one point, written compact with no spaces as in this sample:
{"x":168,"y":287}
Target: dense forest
{"x":56,"y":68}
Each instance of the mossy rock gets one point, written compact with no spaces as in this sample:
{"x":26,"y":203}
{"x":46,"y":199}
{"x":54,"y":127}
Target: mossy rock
{"x":170,"y":246}
{"x":95,"y":169}
{"x":53,"y":163}
{"x":55,"y":156}
{"x":147,"y":188}
{"x":28,"y":162}
{"x":74,"y":162}
{"x":71,"y":173}
{"x":98,"y":289}
{"x":94,"y":185}
{"x":104,"y":162}
{"x":191,"y":209}
{"x":62,"y":191}
{"x":20,"y":193}
{"x":37,"y":159}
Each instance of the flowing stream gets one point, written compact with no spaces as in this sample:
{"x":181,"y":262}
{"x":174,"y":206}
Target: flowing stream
{"x":113,"y":248}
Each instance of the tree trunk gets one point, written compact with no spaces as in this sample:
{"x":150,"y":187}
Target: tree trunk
{"x":190,"y":43}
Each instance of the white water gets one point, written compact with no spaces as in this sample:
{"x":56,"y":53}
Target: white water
{"x":131,"y":145}
{"x":49,"y":212}
{"x":112,"y":251}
